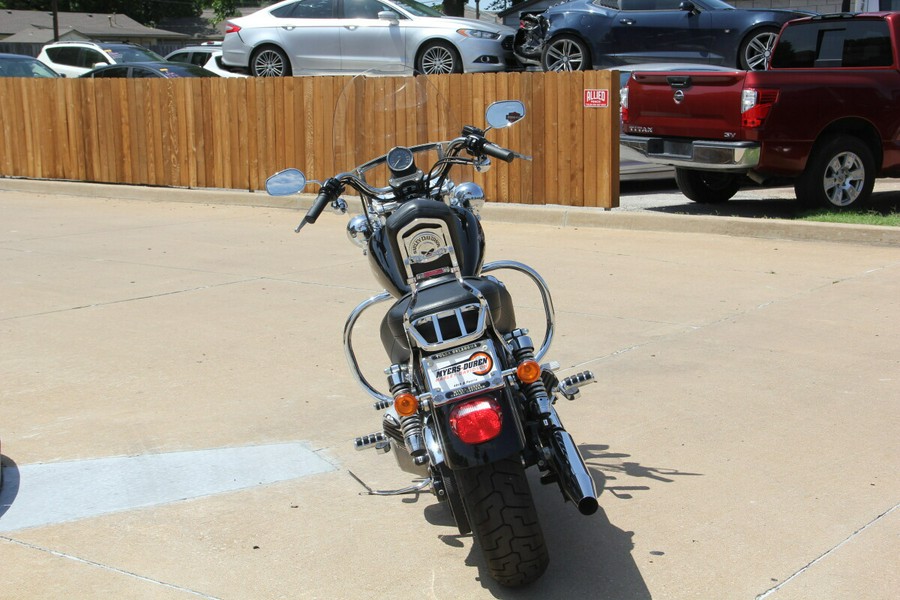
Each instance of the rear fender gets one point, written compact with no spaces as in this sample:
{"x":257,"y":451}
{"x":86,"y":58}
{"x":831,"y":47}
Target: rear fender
{"x":459,"y":455}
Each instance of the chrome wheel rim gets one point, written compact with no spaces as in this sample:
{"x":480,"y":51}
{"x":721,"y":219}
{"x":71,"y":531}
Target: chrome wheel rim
{"x":268,"y":63}
{"x":758,"y":51}
{"x":438,"y":61}
{"x":565,"y":55}
{"x":845,"y":177}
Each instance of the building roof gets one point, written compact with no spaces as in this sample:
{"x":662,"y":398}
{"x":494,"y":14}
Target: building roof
{"x":94,"y":25}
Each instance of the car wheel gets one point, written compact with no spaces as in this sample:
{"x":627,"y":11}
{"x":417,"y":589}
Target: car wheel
{"x":756,"y":49}
{"x":707,"y":187}
{"x":839,"y":174}
{"x":269,"y":61}
{"x":566,"y":53}
{"x":438,"y":58}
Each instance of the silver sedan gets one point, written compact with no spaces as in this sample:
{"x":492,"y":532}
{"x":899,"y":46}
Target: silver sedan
{"x":319,"y":37}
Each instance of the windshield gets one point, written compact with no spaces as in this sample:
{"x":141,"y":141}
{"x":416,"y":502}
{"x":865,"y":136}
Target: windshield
{"x":378,"y":110}
{"x":417,"y":9}
{"x":24,"y":67}
{"x":128,"y":54}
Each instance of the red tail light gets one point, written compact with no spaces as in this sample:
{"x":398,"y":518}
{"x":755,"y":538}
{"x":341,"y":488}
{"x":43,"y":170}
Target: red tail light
{"x":477,"y":421}
{"x":755,"y":106}
{"x":232,"y":28}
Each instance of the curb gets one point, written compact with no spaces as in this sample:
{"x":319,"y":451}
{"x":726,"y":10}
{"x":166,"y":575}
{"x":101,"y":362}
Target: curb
{"x":552,"y":215}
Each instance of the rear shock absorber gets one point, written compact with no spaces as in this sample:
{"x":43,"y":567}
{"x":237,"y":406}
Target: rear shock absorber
{"x":411,"y":426}
{"x":532,"y":384}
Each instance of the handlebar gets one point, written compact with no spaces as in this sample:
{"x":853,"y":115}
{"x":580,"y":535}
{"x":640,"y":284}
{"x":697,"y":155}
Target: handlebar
{"x":497,"y":152}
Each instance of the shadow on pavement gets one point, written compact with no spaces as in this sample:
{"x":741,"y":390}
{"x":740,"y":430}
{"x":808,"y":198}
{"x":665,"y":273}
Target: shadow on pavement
{"x":589,"y":556}
{"x":766,"y":202}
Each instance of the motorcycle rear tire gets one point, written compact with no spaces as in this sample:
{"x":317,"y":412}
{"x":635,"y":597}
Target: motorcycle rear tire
{"x":505,"y":523}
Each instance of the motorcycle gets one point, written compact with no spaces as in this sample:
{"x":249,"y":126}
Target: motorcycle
{"x":469,"y":406}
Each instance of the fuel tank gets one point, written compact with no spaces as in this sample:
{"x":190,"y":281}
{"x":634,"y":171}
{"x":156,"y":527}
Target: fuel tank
{"x":412,"y":242}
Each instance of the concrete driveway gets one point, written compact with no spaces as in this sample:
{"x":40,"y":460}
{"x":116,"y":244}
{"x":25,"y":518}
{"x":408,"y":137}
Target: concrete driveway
{"x":176,"y":413}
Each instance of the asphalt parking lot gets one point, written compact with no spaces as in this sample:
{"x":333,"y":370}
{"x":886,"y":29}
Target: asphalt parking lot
{"x":177,"y":416}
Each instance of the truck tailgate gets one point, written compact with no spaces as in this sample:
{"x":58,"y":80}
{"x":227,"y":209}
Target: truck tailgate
{"x":685,"y":104}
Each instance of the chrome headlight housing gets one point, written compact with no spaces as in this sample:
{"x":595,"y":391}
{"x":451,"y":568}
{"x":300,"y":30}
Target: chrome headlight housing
{"x":469,"y":195}
{"x":479,"y":33}
{"x":359,"y":231}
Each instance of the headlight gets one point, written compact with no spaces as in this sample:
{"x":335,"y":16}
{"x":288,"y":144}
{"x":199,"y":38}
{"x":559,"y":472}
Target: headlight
{"x":478,"y":33}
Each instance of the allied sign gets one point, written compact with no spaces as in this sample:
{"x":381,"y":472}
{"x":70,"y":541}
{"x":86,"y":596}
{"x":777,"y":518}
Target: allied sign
{"x":596,"y":98}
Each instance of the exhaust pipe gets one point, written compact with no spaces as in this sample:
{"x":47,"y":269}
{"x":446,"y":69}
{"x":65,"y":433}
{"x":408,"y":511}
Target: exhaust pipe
{"x":574,"y":479}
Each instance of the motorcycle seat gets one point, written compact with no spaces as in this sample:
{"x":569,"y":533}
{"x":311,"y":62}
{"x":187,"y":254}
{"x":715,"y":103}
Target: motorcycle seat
{"x":442,"y":297}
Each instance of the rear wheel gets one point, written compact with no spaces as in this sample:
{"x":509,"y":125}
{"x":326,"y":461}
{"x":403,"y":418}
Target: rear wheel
{"x":756,"y":49}
{"x":269,"y":61}
{"x":502,"y":515}
{"x":566,"y":53}
{"x":839,"y":174}
{"x":707,"y":187}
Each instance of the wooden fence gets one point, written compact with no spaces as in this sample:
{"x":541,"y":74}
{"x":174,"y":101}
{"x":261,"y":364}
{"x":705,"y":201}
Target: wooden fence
{"x":234,"y":132}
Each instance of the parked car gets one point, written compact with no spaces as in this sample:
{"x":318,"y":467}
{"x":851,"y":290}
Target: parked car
{"x":632,"y":165}
{"x":162,"y":68}
{"x":599,"y":34}
{"x":297,"y":37}
{"x":207,"y":55}
{"x":19,"y":65}
{"x":76,"y":58}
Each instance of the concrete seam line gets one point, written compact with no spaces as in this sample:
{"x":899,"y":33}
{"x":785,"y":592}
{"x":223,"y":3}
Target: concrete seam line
{"x":827,"y":553}
{"x":106,"y":567}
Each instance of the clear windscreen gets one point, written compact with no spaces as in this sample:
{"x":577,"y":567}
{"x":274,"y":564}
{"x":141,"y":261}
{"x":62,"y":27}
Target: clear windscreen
{"x":378,"y":110}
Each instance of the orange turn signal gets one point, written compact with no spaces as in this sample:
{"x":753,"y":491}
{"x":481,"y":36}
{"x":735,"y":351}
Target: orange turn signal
{"x":406,"y":404}
{"x":528,"y":371}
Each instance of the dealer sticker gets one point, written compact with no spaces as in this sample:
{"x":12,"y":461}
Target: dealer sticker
{"x":462,"y":371}
{"x":596,"y":98}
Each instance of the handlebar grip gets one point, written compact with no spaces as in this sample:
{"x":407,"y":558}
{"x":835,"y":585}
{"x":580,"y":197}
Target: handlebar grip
{"x":322,"y":200}
{"x":498,"y":152}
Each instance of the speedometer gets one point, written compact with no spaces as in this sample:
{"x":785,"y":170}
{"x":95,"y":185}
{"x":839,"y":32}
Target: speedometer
{"x":400,"y":161}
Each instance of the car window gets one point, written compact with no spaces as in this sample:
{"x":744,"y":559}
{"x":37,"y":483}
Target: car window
{"x":199,"y":58}
{"x":862,"y":43}
{"x":131,"y":54}
{"x":363,"y":9}
{"x":628,"y":5}
{"x":90,"y":57}
{"x":142,"y":73}
{"x":180,"y":57}
{"x":113,"y":72}
{"x":418,"y":9}
{"x":64,"y":56}
{"x":306,"y":9}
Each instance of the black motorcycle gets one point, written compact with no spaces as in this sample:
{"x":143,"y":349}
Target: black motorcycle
{"x":469,"y":406}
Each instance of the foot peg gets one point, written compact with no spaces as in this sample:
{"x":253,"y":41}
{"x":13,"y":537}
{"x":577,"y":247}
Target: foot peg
{"x":570,"y":387}
{"x":378,"y":440}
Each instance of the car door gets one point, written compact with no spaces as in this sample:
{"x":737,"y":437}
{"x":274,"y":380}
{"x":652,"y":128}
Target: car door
{"x":660,"y":31}
{"x":370,"y":42}
{"x":310,"y":33}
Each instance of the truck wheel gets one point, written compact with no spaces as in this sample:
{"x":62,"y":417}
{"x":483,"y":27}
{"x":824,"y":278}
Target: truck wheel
{"x":707,"y":187}
{"x":839,"y":174}
{"x":566,"y":53}
{"x":269,"y":61}
{"x":756,"y":49}
{"x":502,"y":515}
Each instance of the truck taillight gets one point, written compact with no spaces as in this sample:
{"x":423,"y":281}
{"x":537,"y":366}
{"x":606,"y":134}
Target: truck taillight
{"x":755,"y":106}
{"x":623,"y":104}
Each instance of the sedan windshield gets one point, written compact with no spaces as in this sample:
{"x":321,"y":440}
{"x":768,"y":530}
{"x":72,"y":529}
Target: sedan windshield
{"x":417,"y":9}
{"x":24,"y":67}
{"x":129,"y":54}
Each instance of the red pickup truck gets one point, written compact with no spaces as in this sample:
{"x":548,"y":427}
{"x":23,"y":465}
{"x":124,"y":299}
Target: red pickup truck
{"x":826,"y":114}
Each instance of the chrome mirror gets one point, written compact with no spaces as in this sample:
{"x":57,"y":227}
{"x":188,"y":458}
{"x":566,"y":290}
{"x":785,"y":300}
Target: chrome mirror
{"x":505,"y":113}
{"x":285,"y":183}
